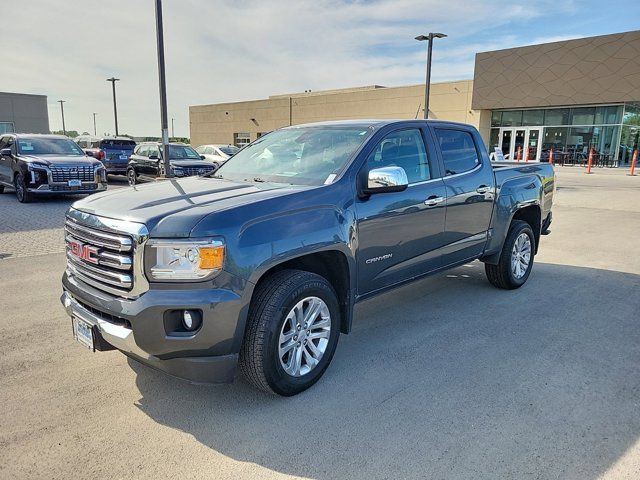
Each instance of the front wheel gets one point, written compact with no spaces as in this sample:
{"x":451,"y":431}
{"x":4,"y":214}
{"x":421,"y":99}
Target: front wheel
{"x":516,"y":258}
{"x":1,"y":188}
{"x":23,"y":195}
{"x":132,"y":177}
{"x":292,"y":332}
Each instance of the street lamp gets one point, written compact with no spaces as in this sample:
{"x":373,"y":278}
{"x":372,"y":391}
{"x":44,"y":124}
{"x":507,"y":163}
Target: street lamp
{"x":113,"y":81}
{"x":163,"y":90}
{"x":61,"y":102}
{"x":173,"y":132}
{"x":95,"y":133}
{"x":427,"y":87}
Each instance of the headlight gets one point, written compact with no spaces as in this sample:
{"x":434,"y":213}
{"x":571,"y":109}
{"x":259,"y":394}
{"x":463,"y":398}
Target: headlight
{"x":184,"y":260}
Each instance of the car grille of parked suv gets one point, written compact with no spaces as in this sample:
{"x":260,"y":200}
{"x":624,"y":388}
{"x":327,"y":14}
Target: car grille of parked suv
{"x":192,"y":171}
{"x":83,"y":173}
{"x":102,"y":259}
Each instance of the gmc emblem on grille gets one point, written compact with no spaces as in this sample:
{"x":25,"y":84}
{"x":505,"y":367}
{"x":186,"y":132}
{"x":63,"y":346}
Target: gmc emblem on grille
{"x":85,"y":252}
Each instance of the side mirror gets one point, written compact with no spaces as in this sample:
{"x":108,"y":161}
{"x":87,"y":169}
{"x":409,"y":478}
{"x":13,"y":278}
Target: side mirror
{"x":5,"y":151}
{"x":202,"y":157}
{"x":386,"y":179}
{"x":153,"y":156}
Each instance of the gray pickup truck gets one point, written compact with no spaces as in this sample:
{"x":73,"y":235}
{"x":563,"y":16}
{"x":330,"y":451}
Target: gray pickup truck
{"x":259,"y":265}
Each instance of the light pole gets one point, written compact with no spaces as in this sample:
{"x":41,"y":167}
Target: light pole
{"x":173,"y":131}
{"x":95,"y":132}
{"x":61,"y":102}
{"x":113,"y":81}
{"x":163,"y":90}
{"x":427,"y":86}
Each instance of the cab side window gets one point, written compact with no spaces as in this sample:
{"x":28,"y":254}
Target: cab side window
{"x":404,"y":148}
{"x":458,"y":149}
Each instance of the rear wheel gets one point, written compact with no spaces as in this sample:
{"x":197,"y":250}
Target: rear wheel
{"x":1,"y":188}
{"x":292,"y":332}
{"x":132,"y":177}
{"x":22,"y":194}
{"x":516,"y":258}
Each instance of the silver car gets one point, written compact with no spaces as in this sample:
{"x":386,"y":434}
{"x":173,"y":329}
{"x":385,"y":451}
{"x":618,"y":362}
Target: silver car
{"x":217,"y":154}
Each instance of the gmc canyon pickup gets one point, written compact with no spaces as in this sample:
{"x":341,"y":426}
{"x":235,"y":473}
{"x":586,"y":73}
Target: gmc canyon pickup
{"x":259,"y":264}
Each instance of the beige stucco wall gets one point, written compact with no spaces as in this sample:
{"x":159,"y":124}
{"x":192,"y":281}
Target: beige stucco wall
{"x":217,"y":123}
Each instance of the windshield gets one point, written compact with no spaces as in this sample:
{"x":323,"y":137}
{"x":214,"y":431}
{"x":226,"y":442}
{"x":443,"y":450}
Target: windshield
{"x":298,"y":156}
{"x":230,"y":150}
{"x":48,"y":146}
{"x":119,"y":144}
{"x":181,"y":152}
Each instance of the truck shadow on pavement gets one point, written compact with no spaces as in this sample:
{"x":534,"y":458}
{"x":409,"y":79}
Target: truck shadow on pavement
{"x":445,"y":378}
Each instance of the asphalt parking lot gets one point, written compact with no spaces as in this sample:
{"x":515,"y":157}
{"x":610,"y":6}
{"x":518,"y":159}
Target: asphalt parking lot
{"x":445,"y":378}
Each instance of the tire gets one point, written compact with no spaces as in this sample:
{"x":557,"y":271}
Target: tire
{"x":132,"y":178}
{"x":22,"y":194}
{"x":1,"y":189}
{"x":506,"y":275}
{"x":270,"y":322}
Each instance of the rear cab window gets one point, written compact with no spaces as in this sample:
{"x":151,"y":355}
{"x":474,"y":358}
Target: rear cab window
{"x":459,"y":151}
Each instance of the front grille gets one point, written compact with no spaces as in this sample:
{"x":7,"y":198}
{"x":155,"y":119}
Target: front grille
{"x":192,"y":171}
{"x":122,"y":322}
{"x":103,"y":259}
{"x":66,"y":188}
{"x":64,"y":173}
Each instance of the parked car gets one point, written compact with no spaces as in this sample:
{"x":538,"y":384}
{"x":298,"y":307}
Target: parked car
{"x":260,"y":264}
{"x":46,"y":164}
{"x":113,"y":152}
{"x":217,"y":154}
{"x":146,"y":162}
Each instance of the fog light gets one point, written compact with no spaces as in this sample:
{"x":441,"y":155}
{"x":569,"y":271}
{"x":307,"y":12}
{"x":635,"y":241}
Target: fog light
{"x":187,"y":319}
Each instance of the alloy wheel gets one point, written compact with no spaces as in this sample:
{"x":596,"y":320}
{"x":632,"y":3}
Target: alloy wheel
{"x":521,"y":255}
{"x":304,"y":336}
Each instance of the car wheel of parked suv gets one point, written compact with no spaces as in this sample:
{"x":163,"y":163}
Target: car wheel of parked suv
{"x":516,"y":258}
{"x":21,"y":189}
{"x":292,"y":332}
{"x":1,"y":188}
{"x":132,"y":177}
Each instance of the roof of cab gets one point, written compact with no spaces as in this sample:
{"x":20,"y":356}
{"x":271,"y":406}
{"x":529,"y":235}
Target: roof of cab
{"x":376,"y":123}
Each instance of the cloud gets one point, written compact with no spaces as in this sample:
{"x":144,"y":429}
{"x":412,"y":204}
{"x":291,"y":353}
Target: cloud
{"x":218,"y":51}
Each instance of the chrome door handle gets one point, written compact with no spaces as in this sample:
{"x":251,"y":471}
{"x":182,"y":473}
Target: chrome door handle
{"x":433,"y":201}
{"x":483,"y":189}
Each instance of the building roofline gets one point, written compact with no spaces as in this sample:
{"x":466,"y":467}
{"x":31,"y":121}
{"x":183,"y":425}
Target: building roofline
{"x":24,"y":94}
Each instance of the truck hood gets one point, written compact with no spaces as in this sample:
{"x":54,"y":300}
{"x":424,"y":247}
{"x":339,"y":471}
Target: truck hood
{"x":171,"y":208}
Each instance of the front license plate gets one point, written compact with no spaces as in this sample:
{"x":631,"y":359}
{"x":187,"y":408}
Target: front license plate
{"x":82,"y":331}
{"x":75,"y":183}
{"x":123,"y":157}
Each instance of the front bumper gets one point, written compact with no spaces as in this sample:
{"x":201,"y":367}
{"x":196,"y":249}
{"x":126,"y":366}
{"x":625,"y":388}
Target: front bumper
{"x":136,"y":328}
{"x":62,"y":187}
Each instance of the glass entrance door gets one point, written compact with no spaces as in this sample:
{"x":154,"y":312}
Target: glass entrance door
{"x":521,"y":144}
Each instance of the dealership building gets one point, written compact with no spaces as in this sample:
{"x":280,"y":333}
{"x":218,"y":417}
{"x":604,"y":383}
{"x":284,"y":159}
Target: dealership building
{"x":569,"y":97}
{"x":24,"y":113}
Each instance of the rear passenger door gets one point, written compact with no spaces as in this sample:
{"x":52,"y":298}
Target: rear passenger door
{"x":5,"y":162}
{"x":469,"y":184}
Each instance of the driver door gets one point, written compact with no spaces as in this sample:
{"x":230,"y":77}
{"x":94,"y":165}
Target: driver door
{"x":400,"y":233}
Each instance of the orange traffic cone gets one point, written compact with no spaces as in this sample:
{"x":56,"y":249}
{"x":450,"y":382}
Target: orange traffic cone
{"x":551,"y":156}
{"x":519,"y":154}
{"x":634,"y":160}
{"x":590,"y":161}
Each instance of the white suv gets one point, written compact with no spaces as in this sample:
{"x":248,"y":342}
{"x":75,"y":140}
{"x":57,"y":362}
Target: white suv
{"x":217,"y":154}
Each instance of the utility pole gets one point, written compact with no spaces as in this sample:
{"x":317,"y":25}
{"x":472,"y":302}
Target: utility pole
{"x":163,"y":90}
{"x":173,"y":132}
{"x":427,"y":86}
{"x":61,"y":102}
{"x":95,"y":132}
{"x":113,"y":81}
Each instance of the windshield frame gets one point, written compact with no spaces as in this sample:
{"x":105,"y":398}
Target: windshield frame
{"x":332,"y":177}
{"x":20,"y":151}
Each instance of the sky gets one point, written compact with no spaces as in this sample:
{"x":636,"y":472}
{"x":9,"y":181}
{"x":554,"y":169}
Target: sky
{"x":224,"y":51}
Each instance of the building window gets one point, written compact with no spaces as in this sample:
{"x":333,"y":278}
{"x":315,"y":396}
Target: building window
{"x":556,"y":116}
{"x":7,"y":127}
{"x":583,"y":116}
{"x":241,"y":139}
{"x":532,"y":117}
{"x":496,"y":118}
{"x":512,"y":118}
{"x":611,"y":115}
